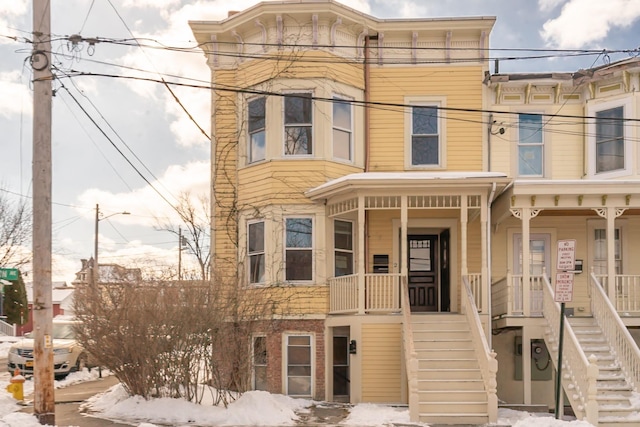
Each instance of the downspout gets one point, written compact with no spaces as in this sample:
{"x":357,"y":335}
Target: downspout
{"x":489,"y":261}
{"x":367,"y":133}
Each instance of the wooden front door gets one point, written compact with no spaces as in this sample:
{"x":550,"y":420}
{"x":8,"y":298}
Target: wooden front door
{"x":423,"y":272}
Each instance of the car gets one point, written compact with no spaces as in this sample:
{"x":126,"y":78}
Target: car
{"x":68,"y":355}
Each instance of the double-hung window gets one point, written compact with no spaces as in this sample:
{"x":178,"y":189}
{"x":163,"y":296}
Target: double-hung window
{"x":425,"y":136}
{"x":610,"y":150}
{"x":255,"y":246}
{"x":342,"y":129}
{"x":299,"y":249}
{"x":298,"y":124}
{"x":530,"y":145}
{"x":257,"y":123}
{"x":343,"y":247}
{"x":600,"y":251}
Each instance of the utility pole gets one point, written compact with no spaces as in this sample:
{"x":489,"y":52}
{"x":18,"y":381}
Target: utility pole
{"x":44,"y":401}
{"x":96,"y":269}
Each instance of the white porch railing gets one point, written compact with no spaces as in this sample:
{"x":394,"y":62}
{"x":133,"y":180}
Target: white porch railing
{"x":343,"y":294}
{"x":410,"y":355}
{"x":382,"y":293}
{"x":627,"y":291}
{"x":475,"y":284}
{"x":616,"y":332}
{"x":7,"y":329}
{"x":508,"y":296}
{"x":486,"y":357}
{"x":579,"y":374}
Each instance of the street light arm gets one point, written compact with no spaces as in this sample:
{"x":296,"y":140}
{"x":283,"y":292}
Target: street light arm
{"x":95,"y":275}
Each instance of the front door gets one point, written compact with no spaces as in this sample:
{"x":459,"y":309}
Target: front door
{"x":423,"y":272}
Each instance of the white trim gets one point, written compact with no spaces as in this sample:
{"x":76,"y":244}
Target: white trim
{"x":353,"y":245}
{"x":285,"y":361}
{"x":264,"y":251}
{"x":592,"y":109}
{"x":542,"y":144}
{"x":314,"y":146}
{"x":248,"y":131}
{"x":313,"y":248}
{"x":425,"y":101}
{"x":601,"y":224}
{"x":350,"y":100}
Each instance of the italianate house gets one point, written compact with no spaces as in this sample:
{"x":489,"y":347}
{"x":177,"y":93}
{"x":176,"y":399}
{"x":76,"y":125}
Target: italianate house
{"x":377,"y":173}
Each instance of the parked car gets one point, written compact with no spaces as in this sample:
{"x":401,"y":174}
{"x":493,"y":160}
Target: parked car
{"x":68,"y":355}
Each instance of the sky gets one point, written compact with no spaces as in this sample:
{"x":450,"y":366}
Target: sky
{"x":169,"y":152}
{"x":255,"y":408}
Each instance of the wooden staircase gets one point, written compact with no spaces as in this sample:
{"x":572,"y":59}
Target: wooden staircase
{"x":450,"y":385}
{"x":613,"y":389}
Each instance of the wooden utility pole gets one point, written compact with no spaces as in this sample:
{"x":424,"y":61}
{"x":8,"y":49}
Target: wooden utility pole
{"x":179,"y":253}
{"x":44,"y":401}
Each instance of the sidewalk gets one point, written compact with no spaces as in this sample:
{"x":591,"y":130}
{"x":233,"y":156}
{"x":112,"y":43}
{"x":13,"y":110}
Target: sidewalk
{"x":69,"y":399}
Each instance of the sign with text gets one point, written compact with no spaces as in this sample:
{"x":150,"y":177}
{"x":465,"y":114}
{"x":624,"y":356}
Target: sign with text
{"x":9,"y":273}
{"x":566,"y":255}
{"x":564,"y":287}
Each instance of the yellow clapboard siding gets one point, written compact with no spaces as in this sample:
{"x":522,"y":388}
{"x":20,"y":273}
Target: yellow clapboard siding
{"x":381,"y":351}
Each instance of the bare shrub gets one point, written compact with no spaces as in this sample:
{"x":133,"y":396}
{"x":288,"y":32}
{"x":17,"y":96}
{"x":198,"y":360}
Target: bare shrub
{"x":170,"y":339}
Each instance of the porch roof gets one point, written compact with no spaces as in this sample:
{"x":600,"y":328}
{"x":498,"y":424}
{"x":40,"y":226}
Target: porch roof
{"x":456,"y":181}
{"x":578,"y":194}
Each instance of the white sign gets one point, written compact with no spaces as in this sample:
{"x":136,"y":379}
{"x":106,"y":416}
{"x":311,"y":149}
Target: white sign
{"x":564,"y":287}
{"x":566,"y":255}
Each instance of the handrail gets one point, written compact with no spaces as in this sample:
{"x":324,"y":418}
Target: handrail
{"x":616,"y":332}
{"x":486,"y":357}
{"x":410,"y":354}
{"x":578,"y":371}
{"x":7,"y":328}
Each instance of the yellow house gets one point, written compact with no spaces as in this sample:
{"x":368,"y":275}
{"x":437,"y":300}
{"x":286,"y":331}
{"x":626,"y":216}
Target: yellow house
{"x":376,"y":173}
{"x":569,"y":143}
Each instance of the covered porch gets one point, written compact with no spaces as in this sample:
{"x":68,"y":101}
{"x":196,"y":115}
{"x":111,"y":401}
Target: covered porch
{"x":427,"y":230}
{"x":601,"y":216}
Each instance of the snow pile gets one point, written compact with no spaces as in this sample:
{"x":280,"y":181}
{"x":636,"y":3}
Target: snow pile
{"x":368,"y":414}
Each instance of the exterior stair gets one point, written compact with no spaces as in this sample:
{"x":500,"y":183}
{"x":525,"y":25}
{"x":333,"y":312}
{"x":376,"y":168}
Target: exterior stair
{"x":450,"y":385}
{"x":613,"y":389}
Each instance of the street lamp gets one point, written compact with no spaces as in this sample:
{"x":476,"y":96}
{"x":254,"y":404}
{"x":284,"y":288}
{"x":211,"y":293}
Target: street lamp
{"x":96,"y":268}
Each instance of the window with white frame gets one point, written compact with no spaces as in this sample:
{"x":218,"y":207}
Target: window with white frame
{"x":343,"y":247}
{"x":299,"y":365}
{"x":609,"y":139}
{"x":600,"y":251}
{"x":259,"y":350}
{"x":425,"y":135}
{"x":342,"y":129}
{"x":298,"y":124}
{"x":298,"y":249}
{"x":539,"y":254}
{"x":255,"y":250}
{"x":256,"y":126}
{"x":530,"y":145}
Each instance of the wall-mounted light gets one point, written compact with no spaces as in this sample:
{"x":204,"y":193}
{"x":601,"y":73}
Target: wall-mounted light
{"x":352,"y":347}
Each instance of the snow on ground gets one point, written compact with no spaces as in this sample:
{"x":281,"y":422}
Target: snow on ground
{"x":252,"y":409}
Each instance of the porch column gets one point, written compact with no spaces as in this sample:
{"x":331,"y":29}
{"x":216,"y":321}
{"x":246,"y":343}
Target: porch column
{"x":361,"y":253}
{"x":485,"y":281}
{"x":611,"y":255}
{"x":464,"y":218}
{"x":404,"y":223}
{"x":526,"y":273}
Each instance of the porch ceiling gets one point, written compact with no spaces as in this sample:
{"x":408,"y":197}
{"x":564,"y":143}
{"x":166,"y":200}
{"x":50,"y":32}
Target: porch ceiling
{"x":567,"y":197}
{"x":410,"y":183}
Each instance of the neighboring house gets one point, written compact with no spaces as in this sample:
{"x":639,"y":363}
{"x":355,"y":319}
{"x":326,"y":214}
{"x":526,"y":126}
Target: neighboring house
{"x":109,"y":273}
{"x":61,"y":298}
{"x":352,"y":160}
{"x":574,"y":178}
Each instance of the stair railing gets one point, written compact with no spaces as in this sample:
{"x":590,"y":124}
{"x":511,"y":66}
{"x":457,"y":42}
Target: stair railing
{"x":617,"y":334}
{"x":7,"y":328}
{"x":579,"y":374}
{"x":486,"y":357}
{"x":410,"y":354}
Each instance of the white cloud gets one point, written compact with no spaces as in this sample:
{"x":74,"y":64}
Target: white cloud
{"x":549,"y":5}
{"x":143,"y":4}
{"x":9,"y":10}
{"x":16,"y":96}
{"x":144,"y":204}
{"x":584,"y":22}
